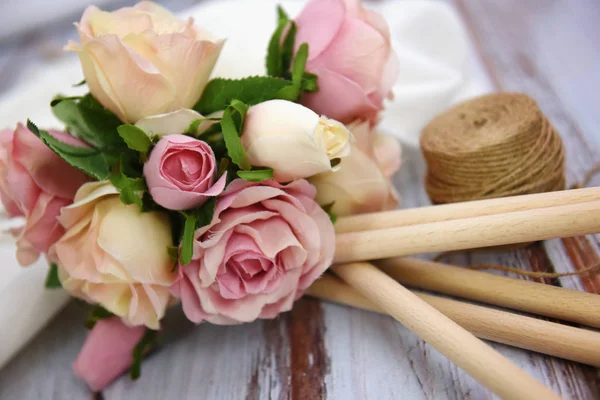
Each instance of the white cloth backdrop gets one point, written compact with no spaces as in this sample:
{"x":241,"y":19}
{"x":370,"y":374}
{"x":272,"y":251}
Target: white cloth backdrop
{"x":437,"y":68}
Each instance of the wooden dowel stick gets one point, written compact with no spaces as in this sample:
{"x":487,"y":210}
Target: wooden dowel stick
{"x":446,"y":212}
{"x":469,"y":233}
{"x":478,"y":359}
{"x":575,"y":344}
{"x":536,"y":298}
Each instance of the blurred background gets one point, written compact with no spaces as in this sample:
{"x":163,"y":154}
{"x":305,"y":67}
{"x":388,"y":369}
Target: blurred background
{"x":19,"y":16}
{"x":33,"y":32}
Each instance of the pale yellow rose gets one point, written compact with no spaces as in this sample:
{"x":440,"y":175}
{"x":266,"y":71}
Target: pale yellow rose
{"x":293,"y":140}
{"x":362,"y":183}
{"x":141,"y":61}
{"x":114,"y":255}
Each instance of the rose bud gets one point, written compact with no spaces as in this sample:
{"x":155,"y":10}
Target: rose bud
{"x":107,"y":352}
{"x":35,"y":183}
{"x":350,"y":51}
{"x":181,"y":173}
{"x":114,"y":255}
{"x":266,"y":244}
{"x":362,"y":184}
{"x":293,"y":140}
{"x":141,"y":61}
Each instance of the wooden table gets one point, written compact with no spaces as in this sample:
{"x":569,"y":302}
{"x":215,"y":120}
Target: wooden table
{"x":549,"y":49}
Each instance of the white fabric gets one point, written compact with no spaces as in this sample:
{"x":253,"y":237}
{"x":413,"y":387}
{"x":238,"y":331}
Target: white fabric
{"x":19,"y":15}
{"x":437,"y":68}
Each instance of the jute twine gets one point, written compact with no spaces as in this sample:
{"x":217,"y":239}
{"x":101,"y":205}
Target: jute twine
{"x":496,"y":145}
{"x":492,"y":146}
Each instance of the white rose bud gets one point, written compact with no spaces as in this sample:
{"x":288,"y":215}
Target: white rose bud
{"x":293,"y":140}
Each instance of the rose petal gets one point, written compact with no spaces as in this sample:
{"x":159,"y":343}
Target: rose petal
{"x":318,"y":23}
{"x":332,"y":88}
{"x":175,"y":122}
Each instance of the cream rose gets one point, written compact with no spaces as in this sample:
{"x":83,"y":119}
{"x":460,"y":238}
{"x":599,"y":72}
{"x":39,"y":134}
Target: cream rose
{"x":293,"y":140}
{"x":141,"y":61}
{"x":114,"y":255}
{"x":362,"y":184}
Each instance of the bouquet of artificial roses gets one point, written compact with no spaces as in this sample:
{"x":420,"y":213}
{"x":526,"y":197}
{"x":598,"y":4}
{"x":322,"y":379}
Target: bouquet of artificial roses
{"x":169,"y":187}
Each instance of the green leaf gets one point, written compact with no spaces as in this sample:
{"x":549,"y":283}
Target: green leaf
{"x":219,"y":93}
{"x":140,"y":350}
{"x":52,"y":280}
{"x":205,"y":213}
{"x":223,"y":164}
{"x":193,"y":128}
{"x":241,"y":108}
{"x":58,"y":99}
{"x":187,"y":241}
{"x":281,"y":14}
{"x":193,"y":220}
{"x":287,"y":48}
{"x":135,"y":138}
{"x":231,"y":135}
{"x":257,"y":175}
{"x":96,"y":314}
{"x":91,"y":161}
{"x":328,"y":209}
{"x":274,"y":51}
{"x":80,"y":83}
{"x":131,"y":189}
{"x":93,"y":123}
{"x":292,"y":92}
{"x":300,"y":63}
{"x":309,"y":82}
{"x":173,"y":252}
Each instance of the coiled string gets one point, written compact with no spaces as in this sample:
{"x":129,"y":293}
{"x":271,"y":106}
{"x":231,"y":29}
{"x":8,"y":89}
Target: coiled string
{"x":496,"y":145}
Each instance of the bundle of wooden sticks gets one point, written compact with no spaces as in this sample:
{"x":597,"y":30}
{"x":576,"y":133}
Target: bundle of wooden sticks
{"x":452,"y":326}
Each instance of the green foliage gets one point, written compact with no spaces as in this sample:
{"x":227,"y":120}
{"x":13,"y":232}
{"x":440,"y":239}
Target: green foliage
{"x":219,"y":93}
{"x":147,"y":342}
{"x":173,"y":252}
{"x":287,"y":48}
{"x":256,"y":175}
{"x":275,"y":60}
{"x":292,"y":92}
{"x":131,"y":189}
{"x":91,"y":161}
{"x":328,"y":209}
{"x":96,"y":314}
{"x":231,"y":126}
{"x":135,"y":138}
{"x":280,"y":54}
{"x":90,"y":121}
{"x":187,"y":241}
{"x":194,"y":219}
{"x":52,"y":280}
{"x":309,"y":82}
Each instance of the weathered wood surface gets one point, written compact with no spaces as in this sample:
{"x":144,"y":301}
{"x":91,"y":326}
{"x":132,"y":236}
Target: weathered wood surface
{"x":548,"y":49}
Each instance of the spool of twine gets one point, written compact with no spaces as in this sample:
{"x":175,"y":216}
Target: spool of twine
{"x":496,"y":145}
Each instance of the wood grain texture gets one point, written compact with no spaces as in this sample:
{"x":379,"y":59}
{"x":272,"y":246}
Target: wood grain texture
{"x":548,"y":49}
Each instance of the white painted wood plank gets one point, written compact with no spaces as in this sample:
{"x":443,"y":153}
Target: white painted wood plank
{"x":367,"y":356}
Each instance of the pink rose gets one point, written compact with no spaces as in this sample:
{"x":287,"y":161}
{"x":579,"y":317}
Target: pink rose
{"x":35,"y":183}
{"x":181,"y":173}
{"x":107,"y":352}
{"x":362,"y":183}
{"x":266,"y":244}
{"x":351,"y":53}
{"x":141,"y":61}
